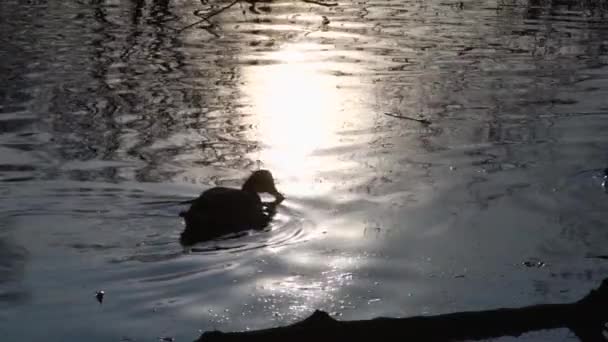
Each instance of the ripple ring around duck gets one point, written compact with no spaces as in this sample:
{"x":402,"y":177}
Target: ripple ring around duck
{"x":288,"y":227}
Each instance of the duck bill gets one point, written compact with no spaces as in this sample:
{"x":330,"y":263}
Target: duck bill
{"x":277,"y":195}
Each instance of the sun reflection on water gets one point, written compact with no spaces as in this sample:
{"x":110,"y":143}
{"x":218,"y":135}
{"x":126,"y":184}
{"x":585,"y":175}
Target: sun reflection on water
{"x":310,"y":291}
{"x":301,"y":99}
{"x":299,"y":107}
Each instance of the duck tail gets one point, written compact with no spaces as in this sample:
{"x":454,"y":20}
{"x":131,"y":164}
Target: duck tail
{"x":186,"y":239}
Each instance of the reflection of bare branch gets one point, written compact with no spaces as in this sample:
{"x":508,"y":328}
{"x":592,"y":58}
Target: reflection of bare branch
{"x":209,"y":29}
{"x":326,"y":4}
{"x":205,"y":18}
{"x":208,"y":16}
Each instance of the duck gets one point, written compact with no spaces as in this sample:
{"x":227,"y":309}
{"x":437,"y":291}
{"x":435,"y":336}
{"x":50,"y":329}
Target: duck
{"x":221,"y":211}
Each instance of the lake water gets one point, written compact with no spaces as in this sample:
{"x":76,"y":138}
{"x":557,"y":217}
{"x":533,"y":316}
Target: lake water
{"x":111,"y":112}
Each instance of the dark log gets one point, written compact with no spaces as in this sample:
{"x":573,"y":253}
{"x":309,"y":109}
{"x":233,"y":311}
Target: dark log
{"x":586,"y":318}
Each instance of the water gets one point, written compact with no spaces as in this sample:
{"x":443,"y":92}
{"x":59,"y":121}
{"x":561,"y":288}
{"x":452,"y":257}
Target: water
{"x":109,"y":108}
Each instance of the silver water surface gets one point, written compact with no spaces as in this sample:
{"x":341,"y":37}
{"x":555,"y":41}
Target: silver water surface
{"x":110,"y":114}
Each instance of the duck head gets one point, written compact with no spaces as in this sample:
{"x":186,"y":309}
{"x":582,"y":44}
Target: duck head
{"x":262,"y":181}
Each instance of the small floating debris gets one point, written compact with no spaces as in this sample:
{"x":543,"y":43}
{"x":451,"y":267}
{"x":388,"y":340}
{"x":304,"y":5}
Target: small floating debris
{"x":605,"y":180}
{"x":325,"y":21}
{"x":534,"y":263}
{"x":166,"y":339}
{"x":99,"y":296}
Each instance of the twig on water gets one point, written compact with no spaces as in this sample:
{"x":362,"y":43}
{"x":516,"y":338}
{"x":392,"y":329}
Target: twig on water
{"x":208,"y":16}
{"x":422,"y":121}
{"x":326,"y":4}
{"x":605,"y":257}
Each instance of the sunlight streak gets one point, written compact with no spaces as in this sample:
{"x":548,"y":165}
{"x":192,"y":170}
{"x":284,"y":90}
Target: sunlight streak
{"x":299,"y":108}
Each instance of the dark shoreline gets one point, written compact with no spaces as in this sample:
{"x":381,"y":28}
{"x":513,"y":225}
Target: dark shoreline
{"x":586,"y":318}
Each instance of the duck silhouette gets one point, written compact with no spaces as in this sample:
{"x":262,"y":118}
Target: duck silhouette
{"x":220,"y":211}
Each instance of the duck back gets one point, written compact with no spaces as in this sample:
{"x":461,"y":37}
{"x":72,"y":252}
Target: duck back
{"x":220,"y":211}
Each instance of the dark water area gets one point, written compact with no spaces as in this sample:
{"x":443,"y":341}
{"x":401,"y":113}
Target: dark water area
{"x":110,"y":112}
